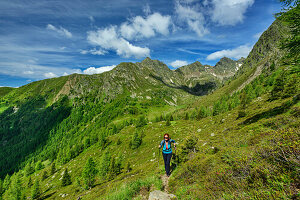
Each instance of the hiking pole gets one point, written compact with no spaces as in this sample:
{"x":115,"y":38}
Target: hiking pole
{"x":158,"y":158}
{"x":176,"y":156}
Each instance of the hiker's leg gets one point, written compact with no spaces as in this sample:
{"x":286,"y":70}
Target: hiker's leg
{"x":168,"y":163}
{"x":165,"y":160}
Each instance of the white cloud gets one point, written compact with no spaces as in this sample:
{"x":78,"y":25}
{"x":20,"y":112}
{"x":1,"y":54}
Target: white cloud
{"x":50,"y":75}
{"x":237,"y":53}
{"x":109,"y":39}
{"x":94,"y":51}
{"x":192,"y":16}
{"x":28,"y":72}
{"x":60,"y":30}
{"x":116,"y":38}
{"x":140,"y":27}
{"x":33,"y":71}
{"x":93,"y":70}
{"x":229,"y":12}
{"x":178,"y":63}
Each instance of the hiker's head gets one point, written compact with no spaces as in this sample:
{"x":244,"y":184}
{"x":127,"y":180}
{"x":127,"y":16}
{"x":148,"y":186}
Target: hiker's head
{"x":166,"y":136}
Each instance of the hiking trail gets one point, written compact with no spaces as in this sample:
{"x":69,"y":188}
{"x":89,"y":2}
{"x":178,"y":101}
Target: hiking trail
{"x":165,"y":182}
{"x":162,"y":195}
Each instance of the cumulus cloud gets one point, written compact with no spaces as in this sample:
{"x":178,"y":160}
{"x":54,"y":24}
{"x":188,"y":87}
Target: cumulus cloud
{"x":50,"y":75}
{"x":60,"y":30}
{"x":109,"y":39}
{"x":140,"y":27}
{"x":192,"y":16}
{"x":120,"y":38}
{"x":236,"y":53}
{"x":178,"y":63}
{"x":93,"y":70}
{"x":229,"y":12}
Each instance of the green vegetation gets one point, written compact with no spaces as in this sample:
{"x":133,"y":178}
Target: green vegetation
{"x":89,"y":172}
{"x":241,"y":141}
{"x":66,"y":179}
{"x":36,"y":193}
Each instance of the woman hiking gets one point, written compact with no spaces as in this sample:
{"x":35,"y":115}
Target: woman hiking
{"x":167,"y":151}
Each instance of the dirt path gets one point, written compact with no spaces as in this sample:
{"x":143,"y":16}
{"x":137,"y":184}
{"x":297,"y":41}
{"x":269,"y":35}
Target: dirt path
{"x":165,"y":182}
{"x":162,"y":195}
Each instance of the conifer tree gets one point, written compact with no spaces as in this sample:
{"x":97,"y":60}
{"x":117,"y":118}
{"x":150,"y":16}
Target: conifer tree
{"x":87,"y":143}
{"x":89,"y":173}
{"x":118,"y":164}
{"x":278,"y":87}
{"x":291,"y":44}
{"x":112,"y":168}
{"x":161,"y":118}
{"x":136,"y":140}
{"x":53,"y":168}
{"x":1,"y":187}
{"x":66,"y":179}
{"x":142,"y":121}
{"x":6,"y":182}
{"x":128,"y":167}
{"x":29,"y":183}
{"x":168,"y":123}
{"x":114,"y":129}
{"x":15,"y":189}
{"x":202,"y":113}
{"x":292,"y":86}
{"x":39,"y":166}
{"x":35,"y":192}
{"x":45,"y":175}
{"x":102,"y":139}
{"x":186,"y":117}
{"x":216,"y":108}
{"x":104,"y":164}
{"x":29,"y":169}
{"x":244,"y":99}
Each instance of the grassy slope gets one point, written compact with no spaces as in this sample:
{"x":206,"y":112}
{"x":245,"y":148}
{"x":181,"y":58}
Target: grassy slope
{"x":230,"y":156}
{"x":197,"y":177}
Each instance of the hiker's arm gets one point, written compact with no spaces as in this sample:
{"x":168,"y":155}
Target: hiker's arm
{"x":160,"y":145}
{"x":174,"y":143}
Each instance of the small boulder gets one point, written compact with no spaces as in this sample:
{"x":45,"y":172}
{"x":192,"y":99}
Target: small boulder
{"x":160,"y":195}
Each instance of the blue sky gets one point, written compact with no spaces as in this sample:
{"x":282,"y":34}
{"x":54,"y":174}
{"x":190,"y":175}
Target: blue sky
{"x":50,"y":38}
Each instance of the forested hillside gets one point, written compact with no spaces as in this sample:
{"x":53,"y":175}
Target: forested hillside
{"x":236,"y":125}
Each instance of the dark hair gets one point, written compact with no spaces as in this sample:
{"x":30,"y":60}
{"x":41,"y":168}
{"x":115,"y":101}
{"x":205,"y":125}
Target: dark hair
{"x":167,"y":135}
